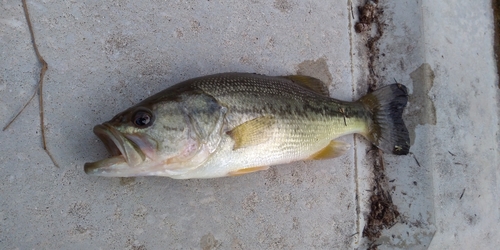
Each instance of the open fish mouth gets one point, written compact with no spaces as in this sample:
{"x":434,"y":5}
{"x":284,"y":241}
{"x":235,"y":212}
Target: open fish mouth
{"x":126,"y":153}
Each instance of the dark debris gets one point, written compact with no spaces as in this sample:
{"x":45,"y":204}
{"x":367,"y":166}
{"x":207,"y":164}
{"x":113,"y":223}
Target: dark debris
{"x":383,"y":213}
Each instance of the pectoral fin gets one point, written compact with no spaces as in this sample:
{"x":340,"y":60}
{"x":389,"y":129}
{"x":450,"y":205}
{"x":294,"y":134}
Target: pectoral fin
{"x":252,"y":132}
{"x":247,"y":170}
{"x":334,"y":149}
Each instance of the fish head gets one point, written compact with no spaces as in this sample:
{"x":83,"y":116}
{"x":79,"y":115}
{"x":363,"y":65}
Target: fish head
{"x":140,"y":143}
{"x":165,"y":138}
{"x":130,"y":139}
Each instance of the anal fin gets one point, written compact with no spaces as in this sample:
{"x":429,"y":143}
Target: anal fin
{"x":247,"y":170}
{"x":334,"y":149}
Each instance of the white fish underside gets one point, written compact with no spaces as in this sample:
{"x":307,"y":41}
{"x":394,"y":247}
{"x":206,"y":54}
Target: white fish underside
{"x":289,"y":141}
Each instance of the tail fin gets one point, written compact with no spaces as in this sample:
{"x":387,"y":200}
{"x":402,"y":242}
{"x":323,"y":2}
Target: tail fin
{"x":387,"y":129}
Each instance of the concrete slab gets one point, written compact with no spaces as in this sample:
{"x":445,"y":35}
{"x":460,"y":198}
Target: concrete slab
{"x":105,"y":56}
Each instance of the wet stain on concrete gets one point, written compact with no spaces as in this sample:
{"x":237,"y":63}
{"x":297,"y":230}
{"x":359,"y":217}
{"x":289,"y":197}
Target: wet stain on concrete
{"x":236,"y":244}
{"x":316,"y":68}
{"x":421,"y":109}
{"x":117,"y":44}
{"x":283,"y":5}
{"x":125,"y":181}
{"x":208,"y":242}
{"x":79,"y":210}
{"x":496,"y":21}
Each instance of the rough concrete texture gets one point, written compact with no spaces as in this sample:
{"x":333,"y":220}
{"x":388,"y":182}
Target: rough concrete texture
{"x":466,"y":167}
{"x":105,"y":56}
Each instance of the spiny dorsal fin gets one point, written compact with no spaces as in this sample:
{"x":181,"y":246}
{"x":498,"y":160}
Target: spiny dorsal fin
{"x":311,"y":83}
{"x":252,"y":132}
{"x":334,"y":149}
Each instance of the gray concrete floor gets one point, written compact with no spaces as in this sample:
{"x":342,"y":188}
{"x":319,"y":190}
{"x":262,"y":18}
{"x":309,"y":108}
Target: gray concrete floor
{"x":105,"y":56}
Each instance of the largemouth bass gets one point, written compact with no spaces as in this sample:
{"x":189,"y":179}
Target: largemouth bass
{"x":236,"y":123}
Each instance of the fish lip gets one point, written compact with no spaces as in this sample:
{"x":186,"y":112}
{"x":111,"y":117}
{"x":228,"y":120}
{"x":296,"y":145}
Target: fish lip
{"x":109,"y":137}
{"x":125,"y":153}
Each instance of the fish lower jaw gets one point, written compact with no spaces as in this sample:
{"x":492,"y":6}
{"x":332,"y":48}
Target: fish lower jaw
{"x":117,"y":166}
{"x":106,"y":167}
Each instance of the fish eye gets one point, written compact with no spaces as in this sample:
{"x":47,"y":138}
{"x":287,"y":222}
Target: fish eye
{"x":142,"y":118}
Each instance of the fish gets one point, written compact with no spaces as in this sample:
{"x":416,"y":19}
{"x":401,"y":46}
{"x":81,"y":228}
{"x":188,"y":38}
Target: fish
{"x":231,"y":124}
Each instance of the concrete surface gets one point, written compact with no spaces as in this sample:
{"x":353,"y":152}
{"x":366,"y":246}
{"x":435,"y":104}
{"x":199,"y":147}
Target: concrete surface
{"x":105,"y":56}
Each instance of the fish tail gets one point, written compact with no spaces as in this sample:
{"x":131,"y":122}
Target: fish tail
{"x":386,"y":128}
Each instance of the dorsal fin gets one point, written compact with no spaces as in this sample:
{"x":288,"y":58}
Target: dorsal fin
{"x":311,"y":83}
